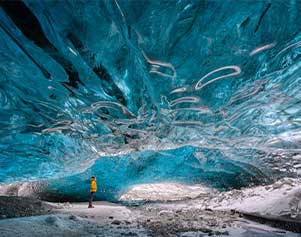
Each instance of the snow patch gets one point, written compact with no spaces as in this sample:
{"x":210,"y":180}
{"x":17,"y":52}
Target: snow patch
{"x":163,"y":192}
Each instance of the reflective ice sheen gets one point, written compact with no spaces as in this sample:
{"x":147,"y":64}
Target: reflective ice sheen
{"x":218,"y":81}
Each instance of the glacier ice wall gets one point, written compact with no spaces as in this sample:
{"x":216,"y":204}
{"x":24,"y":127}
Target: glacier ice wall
{"x":187,"y":165}
{"x":86,"y":82}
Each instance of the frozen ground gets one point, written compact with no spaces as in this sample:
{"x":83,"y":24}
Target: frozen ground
{"x":281,"y":199}
{"x":149,"y":220}
{"x":212,"y":213}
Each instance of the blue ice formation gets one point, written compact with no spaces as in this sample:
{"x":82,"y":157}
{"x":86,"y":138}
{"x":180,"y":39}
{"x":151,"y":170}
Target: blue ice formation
{"x":192,"y":91}
{"x":188,"y":165}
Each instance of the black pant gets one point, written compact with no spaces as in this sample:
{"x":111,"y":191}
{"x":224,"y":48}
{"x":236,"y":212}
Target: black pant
{"x":91,"y":199}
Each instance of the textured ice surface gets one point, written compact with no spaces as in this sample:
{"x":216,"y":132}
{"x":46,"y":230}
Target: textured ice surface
{"x":217,"y":82}
{"x":186,"y":165}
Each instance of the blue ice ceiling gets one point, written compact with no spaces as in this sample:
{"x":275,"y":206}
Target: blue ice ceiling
{"x":104,"y":82}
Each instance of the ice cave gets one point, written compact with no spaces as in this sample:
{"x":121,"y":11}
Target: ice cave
{"x":187,"y":112}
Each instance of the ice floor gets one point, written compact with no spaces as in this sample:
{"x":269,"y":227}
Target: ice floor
{"x":111,"y":220}
{"x":179,"y":211}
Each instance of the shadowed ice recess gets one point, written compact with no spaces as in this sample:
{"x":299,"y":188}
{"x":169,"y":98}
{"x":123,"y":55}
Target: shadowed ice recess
{"x":149,"y":91}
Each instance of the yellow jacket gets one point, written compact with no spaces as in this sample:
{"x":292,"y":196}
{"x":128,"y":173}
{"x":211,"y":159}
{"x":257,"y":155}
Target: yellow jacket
{"x":93,"y":186}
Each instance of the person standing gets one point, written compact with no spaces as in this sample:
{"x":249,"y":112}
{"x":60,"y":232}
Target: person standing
{"x":93,"y":189}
